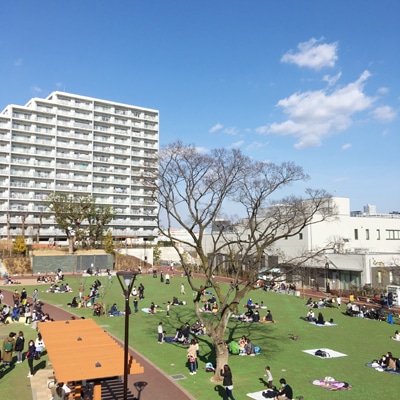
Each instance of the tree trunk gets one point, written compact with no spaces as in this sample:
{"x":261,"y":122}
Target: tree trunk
{"x":220,"y":347}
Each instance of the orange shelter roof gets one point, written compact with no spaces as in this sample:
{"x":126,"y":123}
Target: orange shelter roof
{"x":82,"y":350}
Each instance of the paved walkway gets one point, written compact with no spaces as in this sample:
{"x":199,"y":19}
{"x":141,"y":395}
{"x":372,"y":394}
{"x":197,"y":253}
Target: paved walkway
{"x":153,"y":384}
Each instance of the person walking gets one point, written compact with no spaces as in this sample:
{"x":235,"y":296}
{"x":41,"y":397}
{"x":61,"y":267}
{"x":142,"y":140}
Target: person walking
{"x":81,"y":291}
{"x":141,"y":291}
{"x":192,"y":355}
{"x":160,"y":333}
{"x":16,"y":298}
{"x":135,"y":305}
{"x":19,"y":346}
{"x":183,"y":289}
{"x":269,"y":376}
{"x":227,"y":382}
{"x":339,"y":301}
{"x":30,"y":355}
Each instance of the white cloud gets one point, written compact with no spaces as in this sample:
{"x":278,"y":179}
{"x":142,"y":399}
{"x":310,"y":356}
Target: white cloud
{"x":384,"y":114}
{"x":236,"y":144}
{"x":216,"y":128}
{"x":331,"y":80}
{"x":202,"y":150}
{"x":341,"y":179}
{"x":383,"y":90}
{"x":36,"y":89}
{"x":314,"y":115}
{"x":255,"y":146}
{"x":346,"y":146}
{"x":313,"y":54}
{"x":231,"y":131}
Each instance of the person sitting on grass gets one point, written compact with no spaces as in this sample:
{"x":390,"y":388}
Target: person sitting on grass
{"x":114,"y":312}
{"x":310,"y":315}
{"x":396,"y":336}
{"x":320,"y":319}
{"x":15,"y":314}
{"x":249,"y":348}
{"x":74,"y":303}
{"x":286,"y":392}
{"x":268,"y":317}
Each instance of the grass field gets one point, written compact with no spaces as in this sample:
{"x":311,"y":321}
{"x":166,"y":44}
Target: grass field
{"x":361,"y":340}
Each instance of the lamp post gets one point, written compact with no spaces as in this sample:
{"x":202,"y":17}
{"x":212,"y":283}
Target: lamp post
{"x":126,"y":280}
{"x":327,"y":286}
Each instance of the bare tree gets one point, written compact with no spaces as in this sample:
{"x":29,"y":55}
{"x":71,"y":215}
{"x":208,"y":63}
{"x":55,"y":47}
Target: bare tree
{"x":193,"y":189}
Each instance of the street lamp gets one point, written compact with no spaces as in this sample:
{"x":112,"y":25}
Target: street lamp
{"x":327,"y":286}
{"x":126,"y":279}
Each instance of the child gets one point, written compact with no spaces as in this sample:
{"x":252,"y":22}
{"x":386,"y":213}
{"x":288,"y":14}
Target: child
{"x":269,"y":376}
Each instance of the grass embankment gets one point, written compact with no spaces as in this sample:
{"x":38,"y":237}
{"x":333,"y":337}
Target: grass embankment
{"x":362,"y":341}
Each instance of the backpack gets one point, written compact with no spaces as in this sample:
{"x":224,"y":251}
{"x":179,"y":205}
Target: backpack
{"x":8,"y":346}
{"x":322,"y":353}
{"x":257,"y":350}
{"x":209,"y":367}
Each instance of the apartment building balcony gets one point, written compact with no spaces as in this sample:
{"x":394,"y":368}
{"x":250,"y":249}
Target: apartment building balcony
{"x":103,"y":169}
{"x":100,"y":189}
{"x":81,"y":188}
{"x":61,"y":187}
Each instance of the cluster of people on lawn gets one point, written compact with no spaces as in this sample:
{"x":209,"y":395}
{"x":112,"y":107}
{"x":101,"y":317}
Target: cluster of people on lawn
{"x":387,"y":362}
{"x":354,"y":310}
{"x":325,"y":302}
{"x":15,"y":343}
{"x":33,"y":313}
{"x":319,"y":320}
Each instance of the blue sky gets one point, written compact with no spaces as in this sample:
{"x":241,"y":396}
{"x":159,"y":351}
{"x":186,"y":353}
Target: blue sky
{"x":315,"y":82}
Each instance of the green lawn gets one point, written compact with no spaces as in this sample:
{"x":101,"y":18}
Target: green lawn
{"x":361,"y":340}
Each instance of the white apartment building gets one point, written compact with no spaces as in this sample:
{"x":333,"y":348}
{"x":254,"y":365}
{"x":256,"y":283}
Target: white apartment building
{"x":75,"y":144}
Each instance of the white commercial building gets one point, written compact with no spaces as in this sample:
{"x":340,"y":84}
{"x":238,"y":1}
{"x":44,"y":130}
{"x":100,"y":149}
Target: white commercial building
{"x":358,"y":248}
{"x":366,"y":250}
{"x":69,"y":143}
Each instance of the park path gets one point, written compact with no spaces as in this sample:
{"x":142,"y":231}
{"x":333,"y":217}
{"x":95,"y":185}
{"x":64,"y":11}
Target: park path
{"x":155,"y":384}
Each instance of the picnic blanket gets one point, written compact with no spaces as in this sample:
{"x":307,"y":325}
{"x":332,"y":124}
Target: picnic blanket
{"x":380,"y":369}
{"x":257,"y":395}
{"x":326,"y":323}
{"x":331,"y":384}
{"x":332,"y":353}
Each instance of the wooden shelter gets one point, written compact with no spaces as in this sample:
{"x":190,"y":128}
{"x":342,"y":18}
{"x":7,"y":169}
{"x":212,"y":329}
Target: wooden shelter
{"x":81,"y":350}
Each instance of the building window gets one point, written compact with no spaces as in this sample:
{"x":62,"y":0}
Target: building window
{"x":300,"y":236}
{"x":355,"y":234}
{"x":367,"y":234}
{"x":379,"y":277}
{"x":378,"y":234}
{"x":392,"y":234}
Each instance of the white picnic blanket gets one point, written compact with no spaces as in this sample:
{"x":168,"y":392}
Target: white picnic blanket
{"x":257,"y":395}
{"x":332,"y":353}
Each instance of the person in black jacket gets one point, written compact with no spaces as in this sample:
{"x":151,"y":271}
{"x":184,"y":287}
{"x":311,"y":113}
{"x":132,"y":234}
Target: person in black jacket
{"x":19,"y":346}
{"x":286,"y":392}
{"x":227,"y":374}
